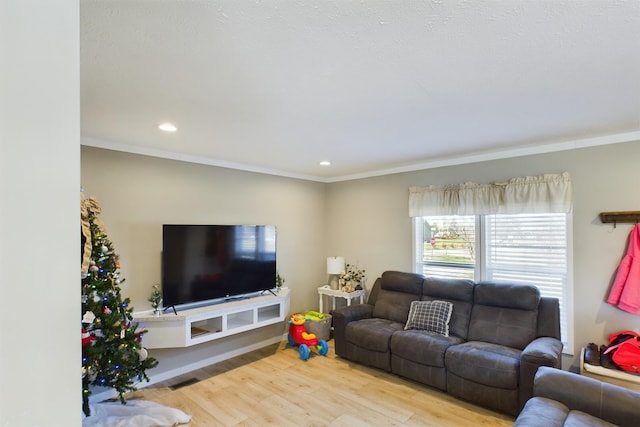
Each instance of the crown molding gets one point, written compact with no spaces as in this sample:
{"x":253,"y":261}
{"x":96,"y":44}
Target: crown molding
{"x":532,"y":149}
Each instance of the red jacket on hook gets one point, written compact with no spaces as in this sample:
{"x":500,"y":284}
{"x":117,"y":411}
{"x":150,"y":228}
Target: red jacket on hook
{"x":625,"y":292}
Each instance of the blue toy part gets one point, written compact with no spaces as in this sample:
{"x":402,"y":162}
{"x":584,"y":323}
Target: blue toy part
{"x":323,"y":348}
{"x":303,"y":350}
{"x":291,"y":341}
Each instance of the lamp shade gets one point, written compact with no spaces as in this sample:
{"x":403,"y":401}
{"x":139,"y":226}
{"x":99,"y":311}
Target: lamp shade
{"x":335,"y":265}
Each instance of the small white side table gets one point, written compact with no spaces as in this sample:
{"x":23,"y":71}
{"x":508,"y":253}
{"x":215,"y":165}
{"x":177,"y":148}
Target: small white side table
{"x":333,"y":293}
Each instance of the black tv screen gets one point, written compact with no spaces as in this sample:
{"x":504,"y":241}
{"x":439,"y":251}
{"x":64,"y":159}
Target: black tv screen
{"x":204,"y":263}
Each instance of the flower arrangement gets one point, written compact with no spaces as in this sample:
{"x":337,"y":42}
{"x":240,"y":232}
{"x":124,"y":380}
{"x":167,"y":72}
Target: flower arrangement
{"x":351,"y":278}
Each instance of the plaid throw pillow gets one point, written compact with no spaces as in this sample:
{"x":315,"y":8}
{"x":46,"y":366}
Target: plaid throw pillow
{"x":432,"y":316}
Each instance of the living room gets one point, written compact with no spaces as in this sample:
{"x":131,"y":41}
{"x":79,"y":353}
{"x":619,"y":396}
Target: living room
{"x":365,"y":220}
{"x":376,"y":219}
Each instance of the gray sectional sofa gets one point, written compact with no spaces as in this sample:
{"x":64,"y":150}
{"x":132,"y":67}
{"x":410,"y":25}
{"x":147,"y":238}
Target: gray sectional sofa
{"x":498,"y":335}
{"x":563,"y":399}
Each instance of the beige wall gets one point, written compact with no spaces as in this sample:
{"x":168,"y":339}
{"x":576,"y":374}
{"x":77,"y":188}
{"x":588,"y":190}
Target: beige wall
{"x":365,"y":220}
{"x":138,"y":194}
{"x":368,"y":221}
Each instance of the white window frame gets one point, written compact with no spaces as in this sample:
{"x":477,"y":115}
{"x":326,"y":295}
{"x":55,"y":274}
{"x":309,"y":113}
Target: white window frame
{"x":480,"y":263}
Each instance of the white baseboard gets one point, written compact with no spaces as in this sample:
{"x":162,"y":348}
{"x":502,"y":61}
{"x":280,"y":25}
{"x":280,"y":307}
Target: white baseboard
{"x":154,"y":379}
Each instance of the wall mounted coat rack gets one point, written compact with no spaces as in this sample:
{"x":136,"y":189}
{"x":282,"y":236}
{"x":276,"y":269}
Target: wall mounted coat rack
{"x":620,"y":217}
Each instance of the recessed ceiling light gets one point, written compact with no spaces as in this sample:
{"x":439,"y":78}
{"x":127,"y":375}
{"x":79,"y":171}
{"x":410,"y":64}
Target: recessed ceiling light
{"x":325,"y":163}
{"x":167,"y":127}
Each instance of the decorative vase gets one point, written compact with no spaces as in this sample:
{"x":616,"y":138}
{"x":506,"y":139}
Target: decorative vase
{"x":333,"y":281}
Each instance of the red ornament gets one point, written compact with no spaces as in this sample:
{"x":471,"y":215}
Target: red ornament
{"x":87,"y":338}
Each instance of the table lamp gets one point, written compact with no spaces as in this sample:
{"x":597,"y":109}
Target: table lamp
{"x":335,"y":266}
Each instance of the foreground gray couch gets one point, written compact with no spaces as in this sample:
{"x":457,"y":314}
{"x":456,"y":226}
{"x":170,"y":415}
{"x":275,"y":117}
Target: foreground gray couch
{"x":499,"y":334}
{"x":566,"y":399}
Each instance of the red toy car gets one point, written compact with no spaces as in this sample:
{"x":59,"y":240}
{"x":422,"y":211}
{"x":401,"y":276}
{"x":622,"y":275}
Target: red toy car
{"x":299,"y":336}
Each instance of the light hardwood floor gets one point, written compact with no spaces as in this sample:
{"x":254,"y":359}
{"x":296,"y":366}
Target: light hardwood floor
{"x":273,"y":386}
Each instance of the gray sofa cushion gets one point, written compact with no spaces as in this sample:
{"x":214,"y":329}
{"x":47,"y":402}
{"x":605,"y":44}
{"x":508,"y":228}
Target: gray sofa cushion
{"x":540,"y":411}
{"x":459,"y":292}
{"x":372,"y":334}
{"x":504,"y":314}
{"x":580,"y":419}
{"x":397,"y":291}
{"x":426,"y":348}
{"x":506,"y":294}
{"x":485,"y":363}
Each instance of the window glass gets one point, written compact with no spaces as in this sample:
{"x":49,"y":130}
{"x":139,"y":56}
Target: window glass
{"x":449,"y":246}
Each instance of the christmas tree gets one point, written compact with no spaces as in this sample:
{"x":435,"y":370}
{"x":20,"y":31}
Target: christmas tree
{"x":112,"y":354}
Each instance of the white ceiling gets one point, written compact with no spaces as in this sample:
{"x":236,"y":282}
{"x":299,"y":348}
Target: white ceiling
{"x":372,"y":86}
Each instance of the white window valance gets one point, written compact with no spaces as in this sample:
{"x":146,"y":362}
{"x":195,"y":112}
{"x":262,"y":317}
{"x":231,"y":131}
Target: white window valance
{"x":549,"y":193}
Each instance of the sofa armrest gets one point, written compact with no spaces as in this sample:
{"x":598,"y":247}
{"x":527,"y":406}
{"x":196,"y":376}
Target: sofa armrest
{"x":543,"y":351}
{"x":351,"y":313}
{"x":608,"y":402}
{"x":341,"y":317}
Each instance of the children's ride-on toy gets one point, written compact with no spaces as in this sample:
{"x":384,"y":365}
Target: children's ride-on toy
{"x":298,"y":336}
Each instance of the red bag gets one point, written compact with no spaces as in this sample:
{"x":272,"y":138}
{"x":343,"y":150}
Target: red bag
{"x":627,"y":355}
{"x":625,"y":350}
{"x":618,"y":337}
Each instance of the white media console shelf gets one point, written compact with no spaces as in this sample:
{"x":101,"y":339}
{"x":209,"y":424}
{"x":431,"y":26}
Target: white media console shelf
{"x":202,"y":324}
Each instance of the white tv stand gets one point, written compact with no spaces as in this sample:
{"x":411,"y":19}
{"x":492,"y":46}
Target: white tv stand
{"x":198,"y":325}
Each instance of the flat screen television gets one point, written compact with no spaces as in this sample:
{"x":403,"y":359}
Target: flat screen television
{"x":204,"y":264}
